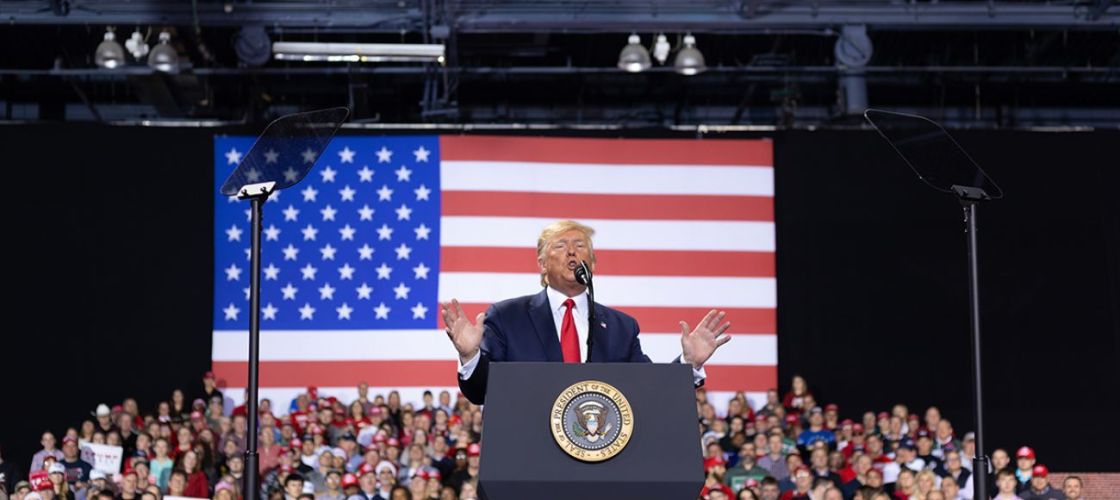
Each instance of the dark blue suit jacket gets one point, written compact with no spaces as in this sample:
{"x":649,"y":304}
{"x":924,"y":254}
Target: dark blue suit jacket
{"x":522,"y":329}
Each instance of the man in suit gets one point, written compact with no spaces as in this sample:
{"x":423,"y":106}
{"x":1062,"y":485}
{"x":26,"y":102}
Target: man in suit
{"x":553,"y":325}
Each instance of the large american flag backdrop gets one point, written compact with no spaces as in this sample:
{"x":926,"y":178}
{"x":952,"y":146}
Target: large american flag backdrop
{"x":357,"y":255}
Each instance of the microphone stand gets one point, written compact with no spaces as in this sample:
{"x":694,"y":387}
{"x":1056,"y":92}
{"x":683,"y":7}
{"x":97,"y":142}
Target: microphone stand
{"x":585,"y":278}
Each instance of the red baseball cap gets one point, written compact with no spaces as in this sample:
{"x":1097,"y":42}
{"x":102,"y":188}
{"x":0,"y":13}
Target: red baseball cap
{"x":433,"y":474}
{"x":349,"y":480}
{"x":1025,"y":452}
{"x":831,"y":407}
{"x":196,"y":415}
{"x":474,"y":450}
{"x":751,"y":483}
{"x":712,"y":462}
{"x":366,"y":469}
{"x":846,"y":421}
{"x":792,"y":419}
{"x":857,"y":428}
{"x":394,"y":442}
{"x":69,"y":439}
{"x":1040,"y":471}
{"x":209,"y":375}
{"x":883,"y":416}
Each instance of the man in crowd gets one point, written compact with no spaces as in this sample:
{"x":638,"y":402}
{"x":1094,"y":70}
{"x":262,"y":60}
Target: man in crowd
{"x":77,"y":470}
{"x":955,"y":472}
{"x":816,"y":432}
{"x":1024,"y":461}
{"x":1040,"y":488}
{"x":293,"y":486}
{"x":1072,"y":488}
{"x":557,"y":315}
{"x":861,"y":465}
{"x":745,"y":469}
{"x":1006,"y":484}
{"x":773,"y":460}
{"x":49,"y":450}
{"x":818,"y":464}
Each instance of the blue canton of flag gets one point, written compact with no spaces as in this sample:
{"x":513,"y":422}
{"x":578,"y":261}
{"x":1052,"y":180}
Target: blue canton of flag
{"x":354,"y":246}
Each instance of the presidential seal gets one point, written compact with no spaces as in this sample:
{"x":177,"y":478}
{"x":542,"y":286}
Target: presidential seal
{"x":591,"y":421}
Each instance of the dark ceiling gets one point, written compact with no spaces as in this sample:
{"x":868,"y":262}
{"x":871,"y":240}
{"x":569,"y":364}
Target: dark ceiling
{"x":975,"y":64}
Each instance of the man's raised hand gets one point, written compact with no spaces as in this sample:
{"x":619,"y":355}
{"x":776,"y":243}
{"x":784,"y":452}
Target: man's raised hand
{"x":466,"y":336}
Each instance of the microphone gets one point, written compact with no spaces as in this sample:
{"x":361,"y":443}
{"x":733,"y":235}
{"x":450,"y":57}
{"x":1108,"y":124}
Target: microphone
{"x":583,"y":276}
{"x":583,"y":273}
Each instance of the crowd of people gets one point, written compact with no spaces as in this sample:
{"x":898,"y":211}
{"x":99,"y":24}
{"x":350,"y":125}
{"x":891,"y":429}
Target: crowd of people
{"x":317,"y":447}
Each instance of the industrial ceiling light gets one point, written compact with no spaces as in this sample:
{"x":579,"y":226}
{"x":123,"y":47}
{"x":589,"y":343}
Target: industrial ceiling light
{"x":661,"y":48}
{"x":136,"y":46}
{"x":689,"y":59}
{"x":634,"y":58}
{"x":109,"y":53}
{"x":358,"y":52}
{"x":163,"y":56}
{"x":252,"y":45}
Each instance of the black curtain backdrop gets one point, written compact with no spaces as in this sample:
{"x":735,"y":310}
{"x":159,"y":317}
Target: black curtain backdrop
{"x":109,"y":237}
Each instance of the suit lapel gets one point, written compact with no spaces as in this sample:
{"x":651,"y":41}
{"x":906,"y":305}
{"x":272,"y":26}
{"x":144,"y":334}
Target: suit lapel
{"x":541,"y":315}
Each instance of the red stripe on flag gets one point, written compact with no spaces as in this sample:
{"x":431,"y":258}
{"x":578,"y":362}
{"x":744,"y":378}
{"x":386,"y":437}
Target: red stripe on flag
{"x":758,"y":152}
{"x":614,"y":206}
{"x":665,"y":319}
{"x":403,"y":373}
{"x":741,"y":378}
{"x":615,"y":262}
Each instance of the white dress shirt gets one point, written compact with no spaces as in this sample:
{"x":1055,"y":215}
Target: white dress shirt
{"x":579,"y":314}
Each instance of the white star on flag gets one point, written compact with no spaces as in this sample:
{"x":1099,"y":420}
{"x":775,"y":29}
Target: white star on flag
{"x":384,"y":232}
{"x":328,"y":174}
{"x":346,"y":272}
{"x":404,"y":213}
{"x":344,"y":311}
{"x":233,"y":233}
{"x":384,"y":194}
{"x":365,"y":213}
{"x":306,"y":312}
{"x":347,"y":232}
{"x":384,"y":271}
{"x":309,"y":193}
{"x":272,"y":233}
{"x":289,"y":292}
{"x":290,"y":252}
{"x":403,"y":252}
{"x":347,"y":193}
{"x":421,"y":154}
{"x":421,"y":271}
{"x":365,"y":174}
{"x":233,"y":273}
{"x":327,"y":252}
{"x":422,"y":231}
{"x":291,"y":174}
{"x":269,"y":311}
{"x":309,"y":233}
{"x":233,"y":156}
{"x":308,"y":272}
{"x":271,"y":156}
{"x":271,"y":272}
{"x":401,"y":291}
{"x":381,"y":311}
{"x":326,"y":292}
{"x":364,"y":291}
{"x":291,"y":213}
{"x":346,"y":155}
{"x":403,"y":174}
{"x":253,"y":175}
{"x":419,"y":311}
{"x":328,"y":213}
{"x":384,"y":155}
{"x":366,"y":252}
{"x":231,"y":311}
{"x":422,"y":192}
{"x":308,"y":156}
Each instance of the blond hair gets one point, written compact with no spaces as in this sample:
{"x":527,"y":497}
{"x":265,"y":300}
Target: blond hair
{"x":555,"y":229}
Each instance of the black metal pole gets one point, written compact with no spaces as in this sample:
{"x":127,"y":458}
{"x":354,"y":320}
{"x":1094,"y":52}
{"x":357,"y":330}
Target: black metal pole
{"x":251,"y":456}
{"x":980,"y":461}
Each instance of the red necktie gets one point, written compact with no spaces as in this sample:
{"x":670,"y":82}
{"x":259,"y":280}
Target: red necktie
{"x":569,"y":339}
